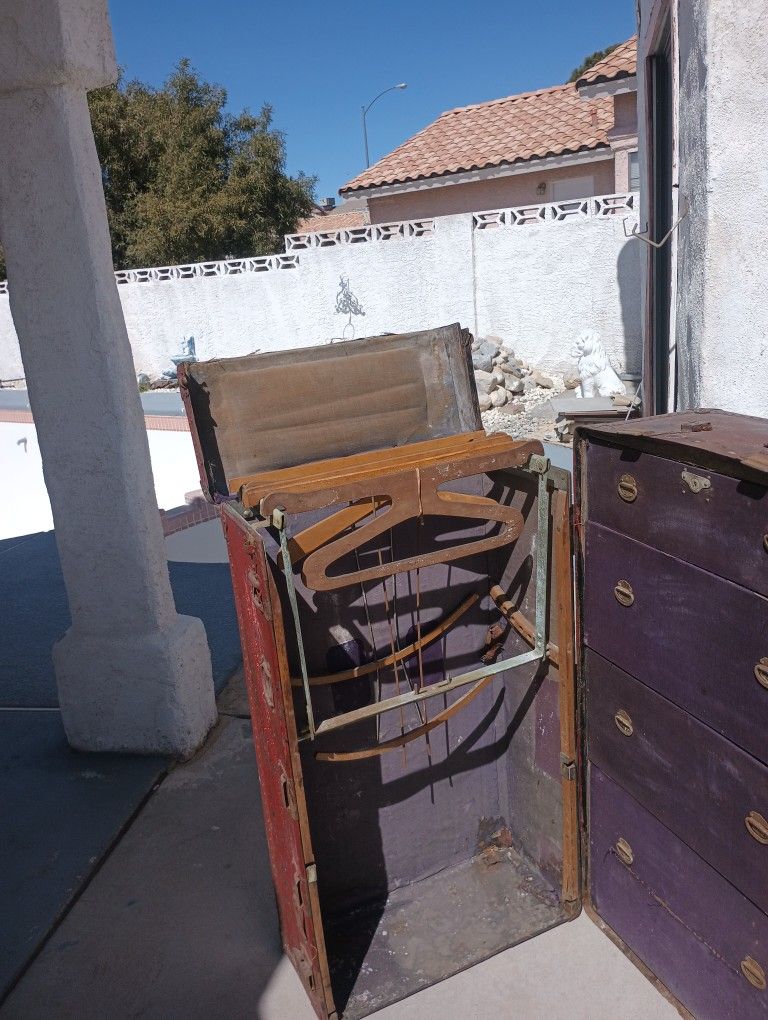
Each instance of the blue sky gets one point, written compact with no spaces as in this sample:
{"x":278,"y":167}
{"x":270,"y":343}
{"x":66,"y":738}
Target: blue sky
{"x":317,"y":63}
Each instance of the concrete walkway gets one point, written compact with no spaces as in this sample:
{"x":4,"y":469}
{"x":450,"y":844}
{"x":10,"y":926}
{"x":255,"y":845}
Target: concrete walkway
{"x":180,"y":921}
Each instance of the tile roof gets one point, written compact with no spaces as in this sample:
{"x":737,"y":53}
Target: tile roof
{"x":337,"y":219}
{"x":621,"y":62}
{"x":502,"y":132}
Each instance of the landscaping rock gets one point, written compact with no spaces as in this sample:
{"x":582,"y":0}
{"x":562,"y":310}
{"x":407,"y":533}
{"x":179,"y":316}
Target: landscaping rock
{"x":512,"y":370}
{"x":528,"y":385}
{"x":542,"y":380}
{"x":571,"y":381}
{"x":513,"y":385}
{"x":513,"y":407}
{"x":498,"y":377}
{"x":483,"y":354}
{"x":485,"y":382}
{"x":485,"y":401}
{"x":498,"y":398}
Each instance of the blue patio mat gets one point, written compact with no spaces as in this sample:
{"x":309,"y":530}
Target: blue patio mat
{"x":35,"y":614}
{"x":61,"y":811}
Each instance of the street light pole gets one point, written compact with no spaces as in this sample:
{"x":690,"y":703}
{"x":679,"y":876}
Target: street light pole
{"x":364,"y":110}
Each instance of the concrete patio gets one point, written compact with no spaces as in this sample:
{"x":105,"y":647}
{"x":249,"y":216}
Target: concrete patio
{"x":132,"y":887}
{"x":179,"y":921}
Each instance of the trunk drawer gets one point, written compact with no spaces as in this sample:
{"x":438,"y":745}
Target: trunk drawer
{"x":720,"y":528}
{"x":685,"y":922}
{"x":696,"y":638}
{"x":708,"y":791}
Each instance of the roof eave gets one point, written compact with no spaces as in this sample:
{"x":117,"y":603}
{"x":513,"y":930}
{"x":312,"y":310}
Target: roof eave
{"x":487,"y":172}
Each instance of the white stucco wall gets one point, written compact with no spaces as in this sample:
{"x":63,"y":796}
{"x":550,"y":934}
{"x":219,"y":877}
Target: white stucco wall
{"x":26,"y":509}
{"x":548,"y":282}
{"x":535,"y":285}
{"x":720,"y":268}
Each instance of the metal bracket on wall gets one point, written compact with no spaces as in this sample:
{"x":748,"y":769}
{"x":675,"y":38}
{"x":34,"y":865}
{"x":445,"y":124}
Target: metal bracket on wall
{"x":634,"y":232}
{"x":548,"y":478}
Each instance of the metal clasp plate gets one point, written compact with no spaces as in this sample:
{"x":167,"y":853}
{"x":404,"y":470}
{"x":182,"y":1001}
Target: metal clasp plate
{"x":695,"y":482}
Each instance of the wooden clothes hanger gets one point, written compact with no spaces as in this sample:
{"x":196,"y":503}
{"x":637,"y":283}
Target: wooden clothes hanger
{"x":409,"y":483}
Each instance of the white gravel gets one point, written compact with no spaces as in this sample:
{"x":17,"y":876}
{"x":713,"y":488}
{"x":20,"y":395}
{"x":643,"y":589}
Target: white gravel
{"x":536,"y":420}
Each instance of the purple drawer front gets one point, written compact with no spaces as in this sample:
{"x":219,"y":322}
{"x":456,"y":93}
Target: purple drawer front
{"x":685,"y":922}
{"x":720,"y":528}
{"x":696,"y":782}
{"x":693,"y":637}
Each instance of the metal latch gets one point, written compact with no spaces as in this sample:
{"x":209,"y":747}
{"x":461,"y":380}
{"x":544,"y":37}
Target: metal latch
{"x":567,"y":767}
{"x":695,"y":482}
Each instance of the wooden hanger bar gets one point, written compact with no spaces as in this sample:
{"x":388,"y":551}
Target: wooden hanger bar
{"x":522,"y":624}
{"x":411,"y":735}
{"x":412,"y":487}
{"x":252,"y":488}
{"x":317,"y":535}
{"x":389,"y":660}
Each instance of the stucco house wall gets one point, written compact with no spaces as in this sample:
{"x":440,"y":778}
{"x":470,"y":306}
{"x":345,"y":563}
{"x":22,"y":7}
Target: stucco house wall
{"x":447,"y":199}
{"x":720,"y":250}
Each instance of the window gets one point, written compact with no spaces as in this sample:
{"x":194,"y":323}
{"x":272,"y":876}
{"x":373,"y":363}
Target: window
{"x":634,"y":171}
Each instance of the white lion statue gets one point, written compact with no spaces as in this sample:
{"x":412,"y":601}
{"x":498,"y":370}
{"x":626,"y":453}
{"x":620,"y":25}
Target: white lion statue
{"x":598,"y":379}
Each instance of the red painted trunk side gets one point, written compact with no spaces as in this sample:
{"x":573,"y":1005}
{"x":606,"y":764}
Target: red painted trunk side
{"x":290,"y":850}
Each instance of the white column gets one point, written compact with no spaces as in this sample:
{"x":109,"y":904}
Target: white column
{"x":132,"y":674}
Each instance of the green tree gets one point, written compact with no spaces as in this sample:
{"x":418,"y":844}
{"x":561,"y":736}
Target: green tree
{"x":591,"y":60}
{"x":184,"y":180}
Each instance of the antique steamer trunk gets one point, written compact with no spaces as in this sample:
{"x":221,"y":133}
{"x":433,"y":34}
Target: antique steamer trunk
{"x":441,"y":778}
{"x":673,"y":552}
{"x":413,"y":709}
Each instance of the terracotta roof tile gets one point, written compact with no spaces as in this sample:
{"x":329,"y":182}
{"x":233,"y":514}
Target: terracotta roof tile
{"x":337,"y":219}
{"x":532,"y":125}
{"x":621,"y":62}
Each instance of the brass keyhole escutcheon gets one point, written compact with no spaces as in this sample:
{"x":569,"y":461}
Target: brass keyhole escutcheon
{"x":624,"y":852}
{"x":757,"y":827}
{"x":624,"y":594}
{"x":761,"y":672}
{"x":627,"y":488}
{"x":624,"y":722}
{"x":753,"y":972}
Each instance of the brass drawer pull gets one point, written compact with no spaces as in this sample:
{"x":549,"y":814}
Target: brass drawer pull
{"x":761,"y":672}
{"x":624,"y":852}
{"x":624,"y":722}
{"x":757,"y":827}
{"x":624,"y":594}
{"x":627,"y":488}
{"x":753,"y":972}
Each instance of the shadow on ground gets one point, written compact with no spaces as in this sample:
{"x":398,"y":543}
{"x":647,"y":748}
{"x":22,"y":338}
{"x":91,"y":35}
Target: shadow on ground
{"x":180,"y":920}
{"x":36,"y":614}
